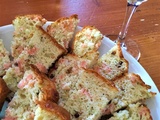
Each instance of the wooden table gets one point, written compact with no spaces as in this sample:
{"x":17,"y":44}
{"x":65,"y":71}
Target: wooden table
{"x":106,"y":15}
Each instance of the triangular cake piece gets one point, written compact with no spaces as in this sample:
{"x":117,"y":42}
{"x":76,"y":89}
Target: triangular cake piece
{"x":112,"y":64}
{"x":63,"y":29}
{"x":131,"y":90}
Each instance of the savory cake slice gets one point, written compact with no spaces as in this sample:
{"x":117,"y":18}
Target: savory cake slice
{"x":86,"y":40}
{"x":135,"y":111}
{"x":131,"y":90}
{"x":84,"y":93}
{"x":34,"y":87}
{"x":42,"y":50}
{"x":5,"y":62}
{"x":63,"y":29}
{"x":48,"y":110}
{"x":112,"y":64}
{"x":24,"y":26}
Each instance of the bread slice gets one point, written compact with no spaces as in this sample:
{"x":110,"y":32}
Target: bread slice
{"x":131,"y":90}
{"x":34,"y":87}
{"x":48,"y":110}
{"x":84,"y":93}
{"x":24,"y":28}
{"x":136,"y":111}
{"x":4,"y":91}
{"x":63,"y":29}
{"x":112,"y":64}
{"x":5,"y":62}
{"x":86,"y":40}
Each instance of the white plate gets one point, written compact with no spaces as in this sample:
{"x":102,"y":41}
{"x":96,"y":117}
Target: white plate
{"x":6,"y":33}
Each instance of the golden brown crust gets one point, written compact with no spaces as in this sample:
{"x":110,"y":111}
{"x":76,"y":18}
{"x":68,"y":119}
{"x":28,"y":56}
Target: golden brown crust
{"x":146,"y":110}
{"x":119,"y":53}
{"x":49,"y":92}
{"x":74,"y":16}
{"x":135,"y":77}
{"x":32,"y":16}
{"x":55,"y":109}
{"x":108,"y":82}
{"x":4,"y":91}
{"x":51,"y":38}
